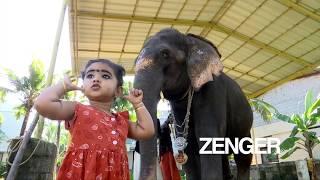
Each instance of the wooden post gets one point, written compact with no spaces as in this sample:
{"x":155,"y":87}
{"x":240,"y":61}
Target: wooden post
{"x":14,"y":168}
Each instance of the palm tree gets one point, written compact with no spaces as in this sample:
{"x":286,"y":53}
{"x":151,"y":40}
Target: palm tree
{"x":28,"y":88}
{"x":301,"y":137}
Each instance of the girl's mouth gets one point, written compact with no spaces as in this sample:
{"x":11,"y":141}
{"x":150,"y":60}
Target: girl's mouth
{"x":95,"y":87}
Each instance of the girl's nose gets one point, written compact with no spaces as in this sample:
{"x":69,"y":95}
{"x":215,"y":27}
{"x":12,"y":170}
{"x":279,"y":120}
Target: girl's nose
{"x":96,"y":80}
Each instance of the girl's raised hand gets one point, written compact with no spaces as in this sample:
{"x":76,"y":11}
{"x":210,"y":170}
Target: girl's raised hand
{"x":68,"y":83}
{"x":135,"y":96}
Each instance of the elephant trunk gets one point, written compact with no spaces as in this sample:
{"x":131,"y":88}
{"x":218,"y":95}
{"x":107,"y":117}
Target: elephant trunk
{"x":150,"y":85}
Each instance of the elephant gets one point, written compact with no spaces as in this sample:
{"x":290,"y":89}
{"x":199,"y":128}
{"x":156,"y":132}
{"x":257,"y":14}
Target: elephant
{"x":174,"y":63}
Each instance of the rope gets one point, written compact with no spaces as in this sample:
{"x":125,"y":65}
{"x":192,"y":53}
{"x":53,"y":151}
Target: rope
{"x":16,"y":147}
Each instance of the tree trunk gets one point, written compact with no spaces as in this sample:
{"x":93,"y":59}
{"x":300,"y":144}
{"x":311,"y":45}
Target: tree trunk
{"x":25,"y":122}
{"x":313,"y":167}
{"x":40,"y":127}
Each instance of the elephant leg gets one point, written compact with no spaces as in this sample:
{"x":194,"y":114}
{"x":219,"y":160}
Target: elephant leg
{"x":243,"y":162}
{"x":211,"y":167}
{"x":226,"y":168}
{"x":211,"y":164}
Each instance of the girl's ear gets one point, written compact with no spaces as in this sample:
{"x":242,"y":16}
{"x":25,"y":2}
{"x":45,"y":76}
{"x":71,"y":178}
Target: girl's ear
{"x":119,"y":91}
{"x":82,"y":88}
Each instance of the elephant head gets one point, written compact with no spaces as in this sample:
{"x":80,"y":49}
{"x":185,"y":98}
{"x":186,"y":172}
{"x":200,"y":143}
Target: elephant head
{"x":171,"y":62}
{"x":171,"y":52}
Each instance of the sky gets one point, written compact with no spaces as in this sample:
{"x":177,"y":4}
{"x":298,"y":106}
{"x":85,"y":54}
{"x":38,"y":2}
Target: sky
{"x":28,"y":29}
{"x":27,"y":32}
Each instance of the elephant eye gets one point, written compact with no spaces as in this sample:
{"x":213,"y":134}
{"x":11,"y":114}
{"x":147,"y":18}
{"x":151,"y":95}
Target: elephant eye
{"x":165,"y":53}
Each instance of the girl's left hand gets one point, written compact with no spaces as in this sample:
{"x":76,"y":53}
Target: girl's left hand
{"x":135,"y":96}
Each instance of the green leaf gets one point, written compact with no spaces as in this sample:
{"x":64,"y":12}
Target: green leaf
{"x":312,"y":107}
{"x":36,"y":74}
{"x":20,"y":111}
{"x":288,"y":143}
{"x":308,"y":100}
{"x":299,"y":121}
{"x":314,"y":118}
{"x":263,"y":108}
{"x":288,"y":153}
{"x":284,"y":118}
{"x":312,"y":136}
{"x":11,"y":75}
{"x":294,"y":131}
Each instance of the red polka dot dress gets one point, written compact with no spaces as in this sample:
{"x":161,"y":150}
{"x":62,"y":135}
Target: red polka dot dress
{"x":97,"y":150}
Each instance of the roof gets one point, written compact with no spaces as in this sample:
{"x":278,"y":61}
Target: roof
{"x":263,"y":43}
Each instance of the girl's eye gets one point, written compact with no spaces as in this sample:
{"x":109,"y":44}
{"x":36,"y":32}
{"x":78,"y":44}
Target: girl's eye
{"x":89,"y":76}
{"x":106,"y":76}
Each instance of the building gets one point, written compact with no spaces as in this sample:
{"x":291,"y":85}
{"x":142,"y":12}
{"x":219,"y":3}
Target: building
{"x":287,"y":99}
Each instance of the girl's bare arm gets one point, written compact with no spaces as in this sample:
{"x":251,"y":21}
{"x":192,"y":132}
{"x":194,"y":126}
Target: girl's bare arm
{"x":49,"y":104}
{"x":143,"y":128}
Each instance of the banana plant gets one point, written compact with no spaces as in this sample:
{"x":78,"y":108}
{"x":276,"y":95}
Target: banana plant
{"x":302,"y":126}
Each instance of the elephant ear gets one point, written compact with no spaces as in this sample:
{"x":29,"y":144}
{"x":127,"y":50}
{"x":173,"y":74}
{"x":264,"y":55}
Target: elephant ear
{"x":203,"y":61}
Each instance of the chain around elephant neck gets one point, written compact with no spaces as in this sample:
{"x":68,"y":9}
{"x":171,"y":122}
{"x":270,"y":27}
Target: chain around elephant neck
{"x":185,"y":122}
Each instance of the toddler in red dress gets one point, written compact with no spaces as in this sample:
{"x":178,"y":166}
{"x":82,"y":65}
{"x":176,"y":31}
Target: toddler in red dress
{"x":97,"y":150}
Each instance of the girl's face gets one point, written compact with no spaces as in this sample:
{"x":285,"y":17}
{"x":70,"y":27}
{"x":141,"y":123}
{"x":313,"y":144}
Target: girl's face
{"x":100,"y":83}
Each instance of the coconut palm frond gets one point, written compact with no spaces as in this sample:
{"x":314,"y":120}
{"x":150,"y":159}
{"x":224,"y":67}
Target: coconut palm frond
{"x":37,"y":75}
{"x":20,"y":111}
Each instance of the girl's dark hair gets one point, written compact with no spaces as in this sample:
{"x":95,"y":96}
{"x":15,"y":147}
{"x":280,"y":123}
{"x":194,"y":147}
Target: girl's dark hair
{"x":119,"y":71}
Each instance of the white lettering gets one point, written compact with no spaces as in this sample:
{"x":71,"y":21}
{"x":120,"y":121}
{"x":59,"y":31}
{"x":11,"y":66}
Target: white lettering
{"x":245,"y":145}
{"x":260,"y":143}
{"x":215,"y":145}
{"x":234,"y":147}
{"x":204,"y":147}
{"x":249,"y":146}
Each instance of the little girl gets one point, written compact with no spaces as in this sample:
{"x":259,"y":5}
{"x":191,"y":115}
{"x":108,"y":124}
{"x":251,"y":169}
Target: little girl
{"x":97,"y":150}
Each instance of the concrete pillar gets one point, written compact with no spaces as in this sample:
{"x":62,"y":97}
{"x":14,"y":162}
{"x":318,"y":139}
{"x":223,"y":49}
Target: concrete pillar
{"x":302,"y":170}
{"x":136,"y":168}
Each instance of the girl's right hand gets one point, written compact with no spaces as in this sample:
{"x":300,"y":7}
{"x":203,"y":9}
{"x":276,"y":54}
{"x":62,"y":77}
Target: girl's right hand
{"x":68,"y":83}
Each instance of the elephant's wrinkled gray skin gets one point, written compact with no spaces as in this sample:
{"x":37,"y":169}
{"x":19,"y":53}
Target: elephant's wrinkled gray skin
{"x":171,"y":62}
